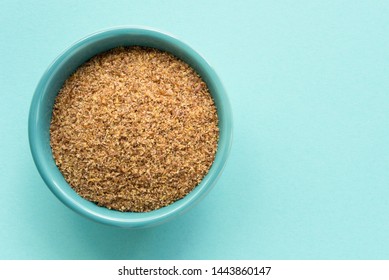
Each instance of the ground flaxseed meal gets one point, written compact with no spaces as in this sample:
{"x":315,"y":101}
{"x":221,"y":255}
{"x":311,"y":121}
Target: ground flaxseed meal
{"x":134,"y":129}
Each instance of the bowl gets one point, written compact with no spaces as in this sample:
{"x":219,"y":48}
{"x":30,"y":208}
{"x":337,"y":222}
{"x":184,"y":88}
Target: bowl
{"x":51,"y":82}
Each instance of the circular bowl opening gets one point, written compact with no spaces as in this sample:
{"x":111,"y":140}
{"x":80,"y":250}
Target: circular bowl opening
{"x":51,"y":82}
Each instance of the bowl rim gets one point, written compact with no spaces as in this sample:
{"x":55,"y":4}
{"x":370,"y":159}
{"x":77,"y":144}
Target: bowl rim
{"x":102,"y":214}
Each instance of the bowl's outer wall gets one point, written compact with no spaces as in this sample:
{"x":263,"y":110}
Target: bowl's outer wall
{"x":64,"y":66}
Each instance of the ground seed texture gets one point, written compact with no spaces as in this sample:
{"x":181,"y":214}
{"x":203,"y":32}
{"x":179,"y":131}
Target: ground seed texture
{"x":134,"y":129}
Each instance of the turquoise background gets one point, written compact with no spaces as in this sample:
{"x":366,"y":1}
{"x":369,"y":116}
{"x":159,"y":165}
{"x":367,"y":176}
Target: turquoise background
{"x":308,"y":175}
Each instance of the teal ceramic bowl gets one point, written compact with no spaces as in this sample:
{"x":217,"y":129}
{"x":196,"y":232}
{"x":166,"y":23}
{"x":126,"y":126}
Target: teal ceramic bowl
{"x":64,"y":66}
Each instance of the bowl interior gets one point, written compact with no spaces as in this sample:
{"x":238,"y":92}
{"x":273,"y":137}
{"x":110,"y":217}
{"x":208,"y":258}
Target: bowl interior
{"x":64,"y":66}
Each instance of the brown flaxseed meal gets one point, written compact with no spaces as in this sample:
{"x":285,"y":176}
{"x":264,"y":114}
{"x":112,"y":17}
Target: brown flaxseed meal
{"x":134,"y":129}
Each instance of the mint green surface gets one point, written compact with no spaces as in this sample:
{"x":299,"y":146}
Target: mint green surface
{"x":308,"y":173}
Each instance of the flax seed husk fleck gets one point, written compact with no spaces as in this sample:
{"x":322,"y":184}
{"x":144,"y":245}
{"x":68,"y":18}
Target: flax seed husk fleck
{"x":134,"y":129}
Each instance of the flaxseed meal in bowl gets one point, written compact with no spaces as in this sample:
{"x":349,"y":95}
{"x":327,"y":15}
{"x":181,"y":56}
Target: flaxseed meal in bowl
{"x":130,"y":127}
